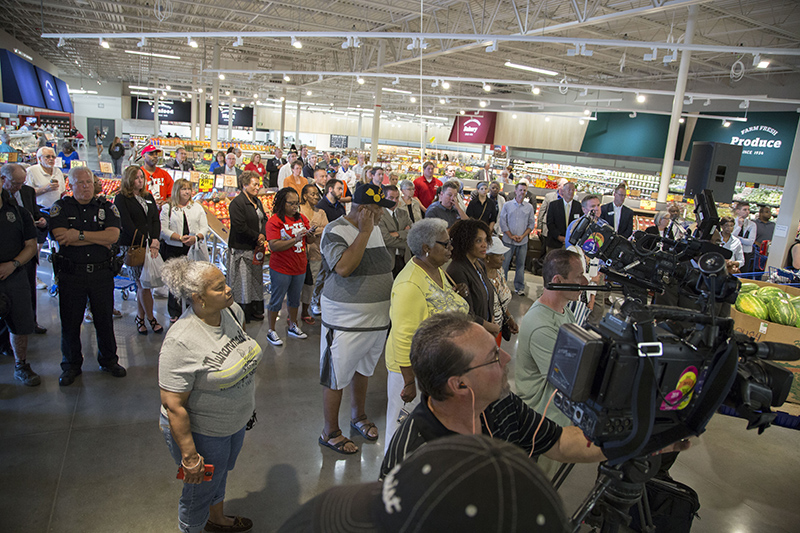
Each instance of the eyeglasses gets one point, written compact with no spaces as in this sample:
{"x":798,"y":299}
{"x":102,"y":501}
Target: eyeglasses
{"x":493,"y":361}
{"x":49,"y":156}
{"x":444,"y":244}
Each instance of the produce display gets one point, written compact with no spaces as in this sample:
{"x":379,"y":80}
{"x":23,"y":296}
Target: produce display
{"x":769,"y":303}
{"x":219,"y":205}
{"x":111,"y":187}
{"x":763,"y":195}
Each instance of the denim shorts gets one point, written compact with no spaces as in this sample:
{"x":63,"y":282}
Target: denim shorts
{"x":284,"y":285}
{"x":195,"y":501}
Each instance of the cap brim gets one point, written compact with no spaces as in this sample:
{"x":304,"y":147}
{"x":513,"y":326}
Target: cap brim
{"x":386,"y":203}
{"x":347,"y":508}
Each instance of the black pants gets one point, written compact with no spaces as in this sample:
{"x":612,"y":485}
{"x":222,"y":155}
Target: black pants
{"x":399,"y":264}
{"x":174,"y":305}
{"x":73,"y":291}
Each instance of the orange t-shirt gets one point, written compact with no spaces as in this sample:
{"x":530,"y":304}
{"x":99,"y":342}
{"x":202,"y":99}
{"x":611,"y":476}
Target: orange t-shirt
{"x":159,"y":183}
{"x":296,"y":184}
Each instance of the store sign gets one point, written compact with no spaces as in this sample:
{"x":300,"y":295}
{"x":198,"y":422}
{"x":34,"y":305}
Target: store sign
{"x":476,"y":127}
{"x":766,"y":138}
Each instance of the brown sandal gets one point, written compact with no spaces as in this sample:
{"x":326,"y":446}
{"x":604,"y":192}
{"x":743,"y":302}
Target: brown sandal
{"x":338,"y":447}
{"x":364,"y":427}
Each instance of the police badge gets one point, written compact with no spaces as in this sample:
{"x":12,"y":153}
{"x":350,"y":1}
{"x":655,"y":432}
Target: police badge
{"x":101,"y":215}
{"x":11,"y":217}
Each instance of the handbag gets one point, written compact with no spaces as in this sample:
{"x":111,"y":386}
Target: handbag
{"x":136,"y":253}
{"x":505,"y":329}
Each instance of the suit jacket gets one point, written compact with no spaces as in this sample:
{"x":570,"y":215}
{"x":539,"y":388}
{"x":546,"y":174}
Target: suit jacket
{"x":481,"y":305}
{"x":221,"y":170}
{"x":245,"y":226}
{"x":388,"y":224}
{"x":556,"y":221}
{"x":625,"y":222}
{"x":28,"y":195}
{"x":135,"y":220}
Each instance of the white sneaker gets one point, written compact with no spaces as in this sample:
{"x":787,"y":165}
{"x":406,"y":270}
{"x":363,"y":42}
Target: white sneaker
{"x":315,"y":310}
{"x":295,"y":331}
{"x":40,"y":285}
{"x":273,"y":338}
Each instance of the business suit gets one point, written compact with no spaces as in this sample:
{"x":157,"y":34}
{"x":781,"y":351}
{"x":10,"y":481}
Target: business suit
{"x":557,"y":223}
{"x":221,"y":170}
{"x":625,"y":228}
{"x":396,"y":245}
{"x":273,"y":167}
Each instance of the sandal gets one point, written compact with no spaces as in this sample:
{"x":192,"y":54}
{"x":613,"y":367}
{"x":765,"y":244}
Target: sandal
{"x":140,"y":327}
{"x":364,"y":427}
{"x":338,"y":447}
{"x":173,"y":319}
{"x":155,"y":325}
{"x":309,"y":320}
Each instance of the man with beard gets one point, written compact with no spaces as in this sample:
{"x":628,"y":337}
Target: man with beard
{"x":463,"y":377}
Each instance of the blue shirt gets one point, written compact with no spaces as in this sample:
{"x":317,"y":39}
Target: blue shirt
{"x":516,"y":218}
{"x":6,"y":149}
{"x":333,"y":211}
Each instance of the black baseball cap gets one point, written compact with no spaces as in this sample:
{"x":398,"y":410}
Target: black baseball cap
{"x":466,"y":483}
{"x":369,"y":193}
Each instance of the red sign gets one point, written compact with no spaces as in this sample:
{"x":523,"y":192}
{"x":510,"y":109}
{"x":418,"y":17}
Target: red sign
{"x":476,"y":127}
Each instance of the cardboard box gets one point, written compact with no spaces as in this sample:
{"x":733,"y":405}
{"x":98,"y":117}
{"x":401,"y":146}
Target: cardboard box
{"x":762,"y":330}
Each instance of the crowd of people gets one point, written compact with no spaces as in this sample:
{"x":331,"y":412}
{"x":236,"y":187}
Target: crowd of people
{"x":411,"y":271}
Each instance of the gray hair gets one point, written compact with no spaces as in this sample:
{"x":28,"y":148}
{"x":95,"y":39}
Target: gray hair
{"x":661,"y":215}
{"x":4,"y":137}
{"x":41,"y":150}
{"x":74,"y":171}
{"x":7,"y":170}
{"x":425,"y":232}
{"x":406,"y":184}
{"x":185,"y":278}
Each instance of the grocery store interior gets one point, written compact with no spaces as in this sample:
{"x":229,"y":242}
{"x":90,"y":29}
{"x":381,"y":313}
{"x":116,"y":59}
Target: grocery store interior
{"x":598,"y":93}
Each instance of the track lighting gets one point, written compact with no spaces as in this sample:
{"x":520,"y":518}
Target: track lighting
{"x":360,"y":80}
{"x":487,"y":87}
{"x":286,"y":78}
{"x":104,"y":43}
{"x":142,"y":43}
{"x":445,"y":85}
{"x":238,"y":42}
{"x":297,"y":44}
{"x":191,"y":42}
{"x":221,"y":76}
{"x":61,"y":42}
{"x":640,"y":98}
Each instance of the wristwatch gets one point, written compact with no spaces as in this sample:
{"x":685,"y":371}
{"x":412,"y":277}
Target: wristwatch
{"x":81,"y":236}
{"x":16,"y":263}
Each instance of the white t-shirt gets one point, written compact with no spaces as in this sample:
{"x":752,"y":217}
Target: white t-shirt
{"x":216,"y":365}
{"x":37,"y":179}
{"x":347,"y":176}
{"x":283,"y":173}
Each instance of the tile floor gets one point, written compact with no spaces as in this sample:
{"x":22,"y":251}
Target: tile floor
{"x":89,"y":458}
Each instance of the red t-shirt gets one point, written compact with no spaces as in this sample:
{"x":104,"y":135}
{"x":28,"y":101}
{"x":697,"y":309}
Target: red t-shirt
{"x":292,"y":261}
{"x":159,"y":183}
{"x":256,"y":168}
{"x":425,"y":191}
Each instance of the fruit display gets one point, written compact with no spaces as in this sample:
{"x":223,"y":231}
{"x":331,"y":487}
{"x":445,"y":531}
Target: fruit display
{"x":763,"y":195}
{"x":219,"y":203}
{"x":769,"y":303}
{"x":111,"y":187}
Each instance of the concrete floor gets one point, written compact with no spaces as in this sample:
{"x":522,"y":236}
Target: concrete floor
{"x":90,"y":458}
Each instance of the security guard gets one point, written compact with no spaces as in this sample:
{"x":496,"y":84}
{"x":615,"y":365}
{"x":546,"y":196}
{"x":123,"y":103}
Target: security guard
{"x":86,"y":229}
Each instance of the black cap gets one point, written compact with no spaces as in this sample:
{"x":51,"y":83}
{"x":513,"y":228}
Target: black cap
{"x":369,"y":193}
{"x":458,"y":483}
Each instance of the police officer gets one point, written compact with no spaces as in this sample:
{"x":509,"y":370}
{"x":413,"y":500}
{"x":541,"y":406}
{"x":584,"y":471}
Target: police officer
{"x":17,"y":247}
{"x":86,"y":229}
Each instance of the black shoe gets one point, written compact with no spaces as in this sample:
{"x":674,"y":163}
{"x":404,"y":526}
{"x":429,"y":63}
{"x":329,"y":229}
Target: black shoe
{"x":115,"y":370}
{"x":68,"y":376}
{"x":39,"y":330}
{"x":240,"y":525}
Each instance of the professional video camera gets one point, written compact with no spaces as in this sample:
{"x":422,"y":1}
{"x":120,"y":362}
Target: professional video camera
{"x":648,"y":376}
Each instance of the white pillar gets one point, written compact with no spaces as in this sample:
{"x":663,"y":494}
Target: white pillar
{"x":156,"y":121}
{"x":376,"y":111}
{"x":786,"y":223}
{"x":193,"y":128}
{"x":297,"y":122}
{"x":215,"y":100}
{"x":230,"y":121}
{"x":677,"y":107}
{"x":360,"y":122}
{"x":201,"y":115}
{"x":283,"y":119}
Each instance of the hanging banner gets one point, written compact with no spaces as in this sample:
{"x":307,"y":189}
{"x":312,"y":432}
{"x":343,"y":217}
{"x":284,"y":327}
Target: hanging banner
{"x":476,"y":127}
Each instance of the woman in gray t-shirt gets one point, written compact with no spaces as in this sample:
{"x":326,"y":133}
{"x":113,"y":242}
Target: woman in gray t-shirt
{"x":206,"y":374}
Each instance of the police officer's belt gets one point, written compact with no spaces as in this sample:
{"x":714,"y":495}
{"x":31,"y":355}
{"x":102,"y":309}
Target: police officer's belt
{"x":70,"y":267}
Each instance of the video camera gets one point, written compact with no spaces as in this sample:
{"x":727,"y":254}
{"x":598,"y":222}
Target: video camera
{"x":648,"y":375}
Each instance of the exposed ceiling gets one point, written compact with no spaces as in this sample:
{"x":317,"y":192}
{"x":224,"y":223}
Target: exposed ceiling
{"x":608,"y":79}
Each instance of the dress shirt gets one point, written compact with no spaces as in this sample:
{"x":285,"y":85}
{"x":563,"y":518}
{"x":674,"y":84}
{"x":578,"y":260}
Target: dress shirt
{"x":516,"y":217}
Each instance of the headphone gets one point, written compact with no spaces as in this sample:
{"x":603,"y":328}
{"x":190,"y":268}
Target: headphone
{"x":462,"y":385}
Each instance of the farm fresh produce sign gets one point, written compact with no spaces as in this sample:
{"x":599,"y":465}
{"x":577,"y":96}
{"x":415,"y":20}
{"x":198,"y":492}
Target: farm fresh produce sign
{"x":766,"y":138}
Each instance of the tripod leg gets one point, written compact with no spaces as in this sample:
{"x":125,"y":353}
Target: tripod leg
{"x":561,"y":475}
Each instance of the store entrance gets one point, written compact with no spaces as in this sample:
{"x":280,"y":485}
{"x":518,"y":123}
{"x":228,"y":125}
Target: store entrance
{"x":105,"y":125}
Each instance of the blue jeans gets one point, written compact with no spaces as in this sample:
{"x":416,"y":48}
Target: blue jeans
{"x":193,"y":508}
{"x":520,"y":251}
{"x":281,"y":285}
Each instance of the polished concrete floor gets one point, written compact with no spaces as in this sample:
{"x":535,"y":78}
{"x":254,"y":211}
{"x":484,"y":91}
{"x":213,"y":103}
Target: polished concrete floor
{"x":90,"y":458}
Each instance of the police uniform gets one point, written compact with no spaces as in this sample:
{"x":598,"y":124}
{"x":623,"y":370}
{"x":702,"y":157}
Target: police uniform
{"x":16,"y":227}
{"x":85,"y":272}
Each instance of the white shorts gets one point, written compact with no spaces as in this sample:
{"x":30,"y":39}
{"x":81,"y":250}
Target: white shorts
{"x":394,"y":386}
{"x":343,"y":353}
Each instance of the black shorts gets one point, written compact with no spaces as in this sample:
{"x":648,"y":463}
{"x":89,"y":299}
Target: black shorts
{"x":20,"y":319}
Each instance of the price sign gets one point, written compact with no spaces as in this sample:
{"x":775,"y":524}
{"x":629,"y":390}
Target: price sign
{"x":194,"y":176}
{"x":750,"y":184}
{"x":207,"y":156}
{"x":106,"y":168}
{"x":246,"y":161}
{"x":219,"y":182}
{"x":230,"y":181}
{"x":13,"y":157}
{"x":206,"y":182}
{"x":77,"y":163}
{"x":3,"y":158}
{"x":59,"y":162}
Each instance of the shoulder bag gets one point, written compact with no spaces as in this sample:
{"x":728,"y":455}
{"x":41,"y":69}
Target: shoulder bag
{"x":135,"y":255}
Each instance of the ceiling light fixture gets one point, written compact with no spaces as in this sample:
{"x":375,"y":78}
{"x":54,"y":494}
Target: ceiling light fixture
{"x":104,"y":43}
{"x":445,"y":85}
{"x":286,"y":78}
{"x":183,"y":99}
{"x":535,"y":89}
{"x":309,"y":93}
{"x":163,"y":93}
{"x":491,"y":48}
{"x":487,"y":87}
{"x":651,"y":56}
{"x":514,"y":116}
{"x":587,"y":112}
{"x":297,"y":44}
{"x":282,"y":98}
{"x":227,"y":93}
{"x":238,"y":42}
{"x":547,"y":119}
{"x":435,"y":83}
{"x":168,"y":87}
{"x":580,"y":49}
{"x":233,"y":100}
{"x":442,"y":101}
{"x":399,"y":91}
{"x":141,"y":43}
{"x":151,"y":54}
{"x":669,"y":58}
{"x":462,"y":112}
{"x":221,"y":76}
{"x":763,"y":64}
{"x":681,"y":120}
{"x":192,"y":43}
{"x":640,"y":98}
{"x":483,"y":103}
{"x":413,"y":99}
{"x":632,"y":114}
{"x":726,"y":124}
{"x":61,"y":42}
{"x":255,"y":95}
{"x":360,"y":80}
{"x":531,"y":69}
{"x":581,"y":122}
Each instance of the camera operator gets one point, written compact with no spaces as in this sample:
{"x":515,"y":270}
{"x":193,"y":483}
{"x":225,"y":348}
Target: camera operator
{"x":463,"y":377}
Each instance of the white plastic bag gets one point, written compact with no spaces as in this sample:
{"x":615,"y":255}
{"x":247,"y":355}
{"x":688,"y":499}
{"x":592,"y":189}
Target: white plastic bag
{"x":198,"y":252}
{"x":151,"y":272}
